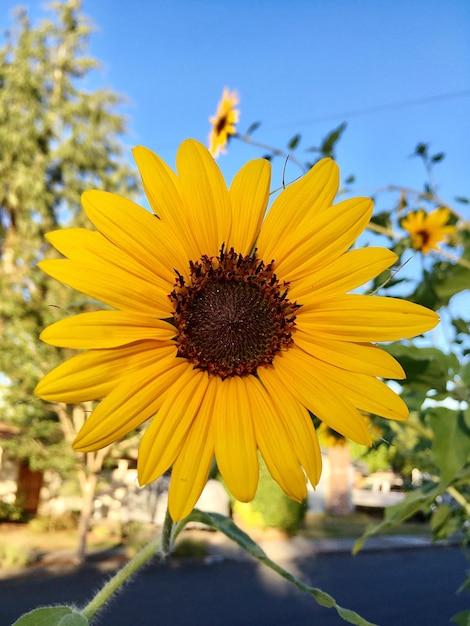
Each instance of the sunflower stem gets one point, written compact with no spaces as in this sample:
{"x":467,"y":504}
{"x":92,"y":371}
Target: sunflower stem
{"x":275,"y":151}
{"x":454,"y":259}
{"x":167,"y":539}
{"x":161,"y":545}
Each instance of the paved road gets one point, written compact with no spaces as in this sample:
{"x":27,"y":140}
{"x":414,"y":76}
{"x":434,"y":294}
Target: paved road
{"x":412,"y":587}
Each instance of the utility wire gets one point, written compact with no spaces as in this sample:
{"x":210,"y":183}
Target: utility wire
{"x":375,"y":109}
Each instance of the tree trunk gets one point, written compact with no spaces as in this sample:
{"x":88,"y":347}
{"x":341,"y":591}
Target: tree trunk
{"x":88,"y":470}
{"x":340,"y":486}
{"x":88,"y":497}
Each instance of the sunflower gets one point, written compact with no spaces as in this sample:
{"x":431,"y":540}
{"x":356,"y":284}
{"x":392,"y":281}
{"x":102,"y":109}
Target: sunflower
{"x":427,"y":230}
{"x":223,"y":122}
{"x":229,"y":323}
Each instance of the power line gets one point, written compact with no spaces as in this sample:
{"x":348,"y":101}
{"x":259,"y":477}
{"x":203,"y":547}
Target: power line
{"x":375,"y":109}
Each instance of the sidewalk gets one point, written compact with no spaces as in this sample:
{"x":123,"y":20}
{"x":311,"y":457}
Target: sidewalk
{"x":287,"y":549}
{"x":219,"y":547}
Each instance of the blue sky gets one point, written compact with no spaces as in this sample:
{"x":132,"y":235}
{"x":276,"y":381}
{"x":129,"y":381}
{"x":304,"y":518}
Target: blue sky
{"x":398,"y":72}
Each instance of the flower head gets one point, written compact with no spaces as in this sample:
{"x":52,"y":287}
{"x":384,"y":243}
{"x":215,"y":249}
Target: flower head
{"x":223,"y":122}
{"x":229,"y":324}
{"x":427,"y":230}
{"x":329,"y":438}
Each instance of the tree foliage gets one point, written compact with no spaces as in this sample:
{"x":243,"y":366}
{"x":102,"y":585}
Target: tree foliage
{"x":56,"y":139}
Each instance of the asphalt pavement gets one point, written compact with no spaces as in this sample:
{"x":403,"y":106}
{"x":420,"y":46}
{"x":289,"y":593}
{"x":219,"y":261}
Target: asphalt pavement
{"x":393,"y":581}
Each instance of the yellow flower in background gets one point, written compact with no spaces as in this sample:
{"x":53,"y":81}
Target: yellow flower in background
{"x":223,"y":122}
{"x":329,"y":438}
{"x":230,"y":324}
{"x":427,"y":230}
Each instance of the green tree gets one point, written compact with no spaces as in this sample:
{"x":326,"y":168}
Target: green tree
{"x":56,"y":140}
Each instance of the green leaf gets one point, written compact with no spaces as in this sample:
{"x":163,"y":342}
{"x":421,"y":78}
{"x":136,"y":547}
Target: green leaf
{"x":465,"y":374}
{"x":294,"y":142}
{"x":329,"y":143}
{"x":52,"y":616}
{"x":425,"y":368}
{"x":396,"y":514}
{"x":74,"y":619}
{"x":461,"y":326}
{"x":421,"y":149}
{"x":252,"y":128}
{"x":451,"y":443}
{"x":382,"y":219}
{"x":438,"y":157}
{"x":231,"y":530}
{"x":462,"y":199}
{"x":462,"y":618}
{"x":425,"y":293}
{"x":440,"y":517}
{"x":454,"y":281}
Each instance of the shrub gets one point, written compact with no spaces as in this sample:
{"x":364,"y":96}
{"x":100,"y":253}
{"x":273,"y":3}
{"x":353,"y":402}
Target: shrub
{"x":14,"y":555}
{"x":190,"y":548}
{"x":271,"y":507}
{"x":10,"y":512}
{"x":135,"y":535}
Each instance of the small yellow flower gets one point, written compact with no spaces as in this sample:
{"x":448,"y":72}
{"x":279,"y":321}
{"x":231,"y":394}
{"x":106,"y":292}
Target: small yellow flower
{"x":229,"y":324}
{"x":329,"y":438}
{"x":427,"y":230}
{"x":223,"y":122}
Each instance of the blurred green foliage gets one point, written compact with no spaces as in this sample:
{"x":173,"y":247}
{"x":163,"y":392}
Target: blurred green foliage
{"x":57,"y":138}
{"x":271,"y":507}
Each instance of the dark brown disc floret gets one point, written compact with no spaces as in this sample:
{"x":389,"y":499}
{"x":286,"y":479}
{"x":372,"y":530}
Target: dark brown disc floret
{"x":233,"y":315}
{"x":424,"y":236}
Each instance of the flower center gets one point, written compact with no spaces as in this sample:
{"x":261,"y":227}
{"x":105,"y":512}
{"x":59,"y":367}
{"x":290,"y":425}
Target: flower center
{"x":233,"y":315}
{"x":423,"y":237}
{"x":221,"y":123}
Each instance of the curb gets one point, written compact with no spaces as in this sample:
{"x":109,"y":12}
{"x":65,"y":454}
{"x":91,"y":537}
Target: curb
{"x":220,"y":548}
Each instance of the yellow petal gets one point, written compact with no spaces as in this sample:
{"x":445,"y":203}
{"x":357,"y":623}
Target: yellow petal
{"x":137,"y":397}
{"x":298,"y":423}
{"x":437,"y":218}
{"x":349,"y":271}
{"x":300,"y":374}
{"x":191,"y":469}
{"x":356,"y":357}
{"x":106,"y":329}
{"x":162,"y":190}
{"x":93,"y":249}
{"x":235,"y":442}
{"x":137,"y":232}
{"x":80,"y":244}
{"x":365,"y":392}
{"x":205,"y":197}
{"x":274,"y":442}
{"x":110,"y":285}
{"x":374,"y":396}
{"x":94,"y":374}
{"x":298,"y":204}
{"x":73,"y":243}
{"x":366,"y":318}
{"x":166,"y":433}
{"x":318,"y":243}
{"x":249,"y":194}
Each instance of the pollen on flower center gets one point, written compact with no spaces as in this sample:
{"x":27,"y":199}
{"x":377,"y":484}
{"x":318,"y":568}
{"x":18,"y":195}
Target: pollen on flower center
{"x":233,"y":315}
